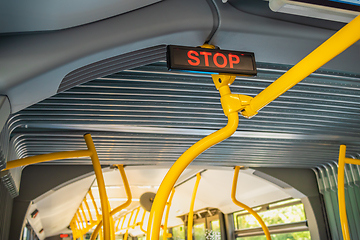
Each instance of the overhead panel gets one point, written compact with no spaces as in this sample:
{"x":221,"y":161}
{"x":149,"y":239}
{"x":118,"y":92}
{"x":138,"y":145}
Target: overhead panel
{"x":150,"y":116}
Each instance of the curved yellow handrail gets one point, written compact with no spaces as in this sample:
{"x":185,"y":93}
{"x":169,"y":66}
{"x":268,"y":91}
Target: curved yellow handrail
{"x":119,"y":208}
{"x":168,"y":204}
{"x":179,"y":166}
{"x":191,"y":212}
{"x":250,"y":210}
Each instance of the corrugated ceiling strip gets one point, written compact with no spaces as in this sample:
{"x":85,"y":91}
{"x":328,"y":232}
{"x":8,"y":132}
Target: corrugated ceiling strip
{"x":112,"y":65}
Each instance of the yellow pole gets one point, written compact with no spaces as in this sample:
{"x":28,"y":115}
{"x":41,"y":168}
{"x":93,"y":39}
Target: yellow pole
{"x":101,"y":186}
{"x":179,"y":166}
{"x":84,"y":215}
{"x":191,"y":212}
{"x":233,"y":197}
{"x":142,"y":223}
{"x":81,"y":220}
{"x":46,"y":157}
{"x":336,"y":44}
{"x":95,"y":206}
{"x":168,"y":205}
{"x":128,"y":226}
{"x":341,"y":194}
{"x":88,"y":209}
{"x":119,"y":208}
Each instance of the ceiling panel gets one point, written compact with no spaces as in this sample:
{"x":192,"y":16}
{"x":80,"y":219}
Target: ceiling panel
{"x":149,"y":116}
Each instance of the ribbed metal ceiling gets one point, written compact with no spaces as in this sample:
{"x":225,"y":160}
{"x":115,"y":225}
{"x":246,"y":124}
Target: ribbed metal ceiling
{"x":151,"y":116}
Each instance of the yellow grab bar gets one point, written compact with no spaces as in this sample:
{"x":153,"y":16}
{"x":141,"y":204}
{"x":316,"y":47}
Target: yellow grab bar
{"x":341,"y":190}
{"x":90,"y":152}
{"x":101,"y":185}
{"x":168,"y":205}
{"x":332,"y":47}
{"x":119,"y":208}
{"x":142,"y":223}
{"x":231,"y":104}
{"x":46,"y":157}
{"x":179,"y":166}
{"x":191,"y":212}
{"x":250,"y":210}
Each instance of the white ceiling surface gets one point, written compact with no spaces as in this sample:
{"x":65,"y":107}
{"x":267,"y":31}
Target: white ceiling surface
{"x":58,"y":207}
{"x":43,"y":15}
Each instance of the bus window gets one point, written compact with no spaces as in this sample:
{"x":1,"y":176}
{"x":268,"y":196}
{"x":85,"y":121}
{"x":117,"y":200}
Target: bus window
{"x":199,"y":231}
{"x":178,"y":233}
{"x":285,"y":220}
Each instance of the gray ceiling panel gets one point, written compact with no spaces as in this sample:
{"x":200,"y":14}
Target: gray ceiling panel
{"x":151,"y":116}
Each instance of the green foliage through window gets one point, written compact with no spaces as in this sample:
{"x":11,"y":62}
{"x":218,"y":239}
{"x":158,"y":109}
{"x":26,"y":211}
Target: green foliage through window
{"x":283,"y":236}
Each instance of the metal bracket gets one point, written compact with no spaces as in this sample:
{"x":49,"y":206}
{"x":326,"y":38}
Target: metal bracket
{"x":230,"y":102}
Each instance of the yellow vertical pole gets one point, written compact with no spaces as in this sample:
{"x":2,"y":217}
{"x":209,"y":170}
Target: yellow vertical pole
{"x":101,"y":234}
{"x":191,"y":212}
{"x":168,"y":205}
{"x":101,"y":186}
{"x":341,"y":194}
{"x":250,"y":210}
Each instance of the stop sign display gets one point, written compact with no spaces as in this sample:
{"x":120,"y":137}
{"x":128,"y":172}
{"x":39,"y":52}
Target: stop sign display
{"x":210,"y":60}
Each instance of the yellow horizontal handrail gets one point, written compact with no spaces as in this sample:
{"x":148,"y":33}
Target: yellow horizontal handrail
{"x":46,"y":157}
{"x":336,"y":44}
{"x":341,"y":190}
{"x":249,"y":209}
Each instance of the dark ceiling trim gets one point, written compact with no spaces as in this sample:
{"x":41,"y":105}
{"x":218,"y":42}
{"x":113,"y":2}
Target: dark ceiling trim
{"x":113,"y":65}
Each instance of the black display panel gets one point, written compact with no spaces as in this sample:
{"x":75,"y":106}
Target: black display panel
{"x":210,"y":60}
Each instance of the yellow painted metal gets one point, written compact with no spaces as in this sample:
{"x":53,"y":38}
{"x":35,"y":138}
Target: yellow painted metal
{"x":94,"y":203}
{"x":101,"y":185}
{"x":233,"y":197}
{"x":77,"y":225}
{"x":209,"y":46}
{"x":89,"y":212}
{"x":222,"y":83}
{"x":84,"y":214}
{"x":128,"y":226}
{"x":336,"y":44}
{"x":191,"y":212}
{"x":81,"y":221}
{"x":341,"y":190}
{"x":142,"y":223}
{"x":119,"y":208}
{"x":46,"y":157}
{"x":167,"y":235}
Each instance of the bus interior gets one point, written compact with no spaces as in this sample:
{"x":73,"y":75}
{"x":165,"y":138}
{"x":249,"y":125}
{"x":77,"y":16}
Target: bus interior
{"x":93,"y":120}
